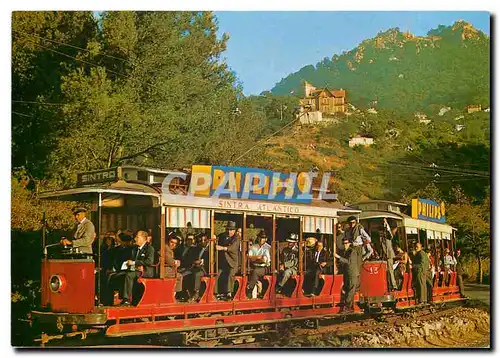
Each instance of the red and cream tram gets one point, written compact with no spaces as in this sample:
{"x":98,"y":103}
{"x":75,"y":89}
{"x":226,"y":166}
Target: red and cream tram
{"x":133,"y":198}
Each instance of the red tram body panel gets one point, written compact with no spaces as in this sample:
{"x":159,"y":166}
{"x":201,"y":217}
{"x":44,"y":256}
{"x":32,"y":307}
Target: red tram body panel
{"x":73,"y":285}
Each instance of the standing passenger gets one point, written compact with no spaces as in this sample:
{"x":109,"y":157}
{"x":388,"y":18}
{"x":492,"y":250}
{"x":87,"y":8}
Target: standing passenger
{"x":386,"y":237}
{"x":420,"y":268}
{"x":460,"y":271}
{"x":357,"y":236}
{"x":228,"y":247}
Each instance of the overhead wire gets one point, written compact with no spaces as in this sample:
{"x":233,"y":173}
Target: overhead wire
{"x":69,"y":45}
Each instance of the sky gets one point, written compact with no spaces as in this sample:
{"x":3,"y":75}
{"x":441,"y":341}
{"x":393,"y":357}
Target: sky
{"x":265,"y":47}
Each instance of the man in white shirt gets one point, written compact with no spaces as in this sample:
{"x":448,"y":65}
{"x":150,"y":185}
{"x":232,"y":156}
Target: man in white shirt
{"x":259,"y":256}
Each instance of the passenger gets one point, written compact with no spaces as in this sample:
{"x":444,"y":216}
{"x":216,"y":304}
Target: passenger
{"x":420,"y":269}
{"x":120,"y":254}
{"x":448,"y":262}
{"x":140,"y":266}
{"x":107,"y":247}
{"x":228,"y":247}
{"x":259,"y":257}
{"x":343,"y":256}
{"x":171,"y":264}
{"x":289,"y":261}
{"x":368,"y":250}
{"x":388,"y":255}
{"x":84,"y":233}
{"x":185,"y":259}
{"x":194,"y":265}
{"x":460,"y":272}
{"x":358,"y":237}
{"x":316,"y":263}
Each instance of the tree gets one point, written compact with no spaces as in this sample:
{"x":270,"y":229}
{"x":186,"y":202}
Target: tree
{"x":44,"y":48}
{"x":157,"y":101}
{"x":473,"y":223}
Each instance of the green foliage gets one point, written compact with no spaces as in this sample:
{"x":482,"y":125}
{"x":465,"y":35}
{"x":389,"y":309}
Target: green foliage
{"x":449,"y":67}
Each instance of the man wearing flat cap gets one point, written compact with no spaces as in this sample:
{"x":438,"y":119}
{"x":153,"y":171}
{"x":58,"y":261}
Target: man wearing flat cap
{"x":358,"y":237}
{"x":84,"y":234}
{"x":259,"y":256}
{"x":289,"y":261}
{"x":228,"y":249}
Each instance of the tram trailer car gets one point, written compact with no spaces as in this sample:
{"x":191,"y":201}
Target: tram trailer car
{"x":70,"y":305}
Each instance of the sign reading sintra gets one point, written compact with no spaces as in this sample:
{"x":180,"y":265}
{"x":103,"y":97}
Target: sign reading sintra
{"x":425,"y":209}
{"x":251,"y":183}
{"x":98,"y":176}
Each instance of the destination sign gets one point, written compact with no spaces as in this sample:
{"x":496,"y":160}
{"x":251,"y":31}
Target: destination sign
{"x":425,"y":209}
{"x":98,"y":176}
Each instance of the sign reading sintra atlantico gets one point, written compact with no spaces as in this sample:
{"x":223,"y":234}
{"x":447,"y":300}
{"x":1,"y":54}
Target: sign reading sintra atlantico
{"x":425,"y":209}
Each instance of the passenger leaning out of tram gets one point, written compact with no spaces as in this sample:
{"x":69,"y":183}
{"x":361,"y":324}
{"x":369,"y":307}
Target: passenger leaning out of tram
{"x":259,"y":257}
{"x":386,"y":237}
{"x":358,"y":238}
{"x":228,"y":250}
{"x":343,"y":255}
{"x":289,"y":261}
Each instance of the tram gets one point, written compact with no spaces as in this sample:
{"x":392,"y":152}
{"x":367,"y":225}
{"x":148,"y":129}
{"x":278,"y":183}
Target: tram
{"x":134,"y":198}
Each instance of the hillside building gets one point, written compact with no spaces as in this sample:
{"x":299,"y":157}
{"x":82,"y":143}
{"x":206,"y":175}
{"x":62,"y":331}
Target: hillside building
{"x":323,"y":100}
{"x":471,"y":108}
{"x":359,"y":140}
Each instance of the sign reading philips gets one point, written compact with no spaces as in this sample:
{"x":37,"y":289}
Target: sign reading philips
{"x":425,"y":209}
{"x":253,"y":183}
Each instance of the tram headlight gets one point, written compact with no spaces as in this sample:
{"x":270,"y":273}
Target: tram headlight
{"x":56,"y":283}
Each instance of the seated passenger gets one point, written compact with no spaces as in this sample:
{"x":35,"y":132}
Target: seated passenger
{"x":316,"y":263}
{"x":186,"y":253}
{"x":449,"y":263}
{"x":289,"y":261}
{"x":118,"y":255}
{"x":259,"y":256}
{"x":141,"y":264}
{"x":196,"y":264}
{"x":171,"y":264}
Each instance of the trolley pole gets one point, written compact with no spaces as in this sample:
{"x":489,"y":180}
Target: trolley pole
{"x":99,"y":222}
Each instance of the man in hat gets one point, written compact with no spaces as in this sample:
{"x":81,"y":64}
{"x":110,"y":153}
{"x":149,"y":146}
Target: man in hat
{"x":289,"y":261}
{"x":357,"y":237}
{"x":84,"y":233}
{"x":228,"y":249}
{"x":388,"y":255}
{"x":259,"y":256}
{"x":419,"y":274}
{"x":316,"y":262}
{"x":343,"y":255}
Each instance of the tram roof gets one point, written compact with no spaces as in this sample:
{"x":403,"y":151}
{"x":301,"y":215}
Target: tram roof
{"x":88,"y":193}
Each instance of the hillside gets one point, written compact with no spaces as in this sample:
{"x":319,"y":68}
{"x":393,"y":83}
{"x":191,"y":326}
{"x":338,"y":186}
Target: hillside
{"x":450,"y":66}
